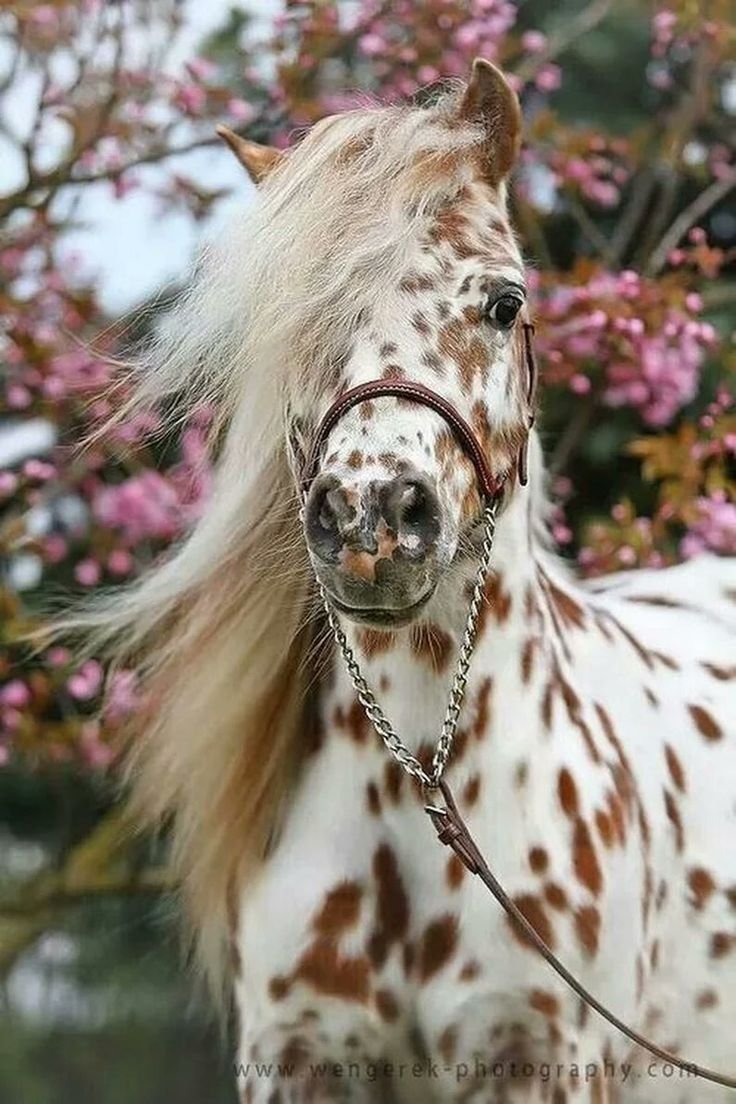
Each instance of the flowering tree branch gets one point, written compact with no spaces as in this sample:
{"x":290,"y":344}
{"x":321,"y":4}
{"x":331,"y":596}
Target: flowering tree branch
{"x":692,"y":214}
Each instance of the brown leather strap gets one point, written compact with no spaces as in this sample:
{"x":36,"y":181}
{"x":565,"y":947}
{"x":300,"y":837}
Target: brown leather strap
{"x":453,"y":832}
{"x":490,"y":485}
{"x":527,"y":329}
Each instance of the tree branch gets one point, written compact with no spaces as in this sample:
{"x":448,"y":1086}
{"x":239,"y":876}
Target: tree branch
{"x":585,"y":21}
{"x":60,"y":175}
{"x":712,"y":195}
{"x":99,"y":865}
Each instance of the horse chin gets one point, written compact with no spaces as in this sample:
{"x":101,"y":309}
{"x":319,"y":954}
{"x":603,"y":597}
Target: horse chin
{"x":383,"y":617}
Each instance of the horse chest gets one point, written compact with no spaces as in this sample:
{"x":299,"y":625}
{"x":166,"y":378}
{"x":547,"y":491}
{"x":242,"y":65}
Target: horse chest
{"x":361,"y":903}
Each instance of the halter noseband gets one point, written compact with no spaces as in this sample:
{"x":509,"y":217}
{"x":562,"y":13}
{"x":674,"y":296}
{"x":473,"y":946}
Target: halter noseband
{"x":490,"y":484}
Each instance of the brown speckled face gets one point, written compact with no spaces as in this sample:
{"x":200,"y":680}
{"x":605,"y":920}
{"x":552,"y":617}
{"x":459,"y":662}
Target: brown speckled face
{"x":395,"y":491}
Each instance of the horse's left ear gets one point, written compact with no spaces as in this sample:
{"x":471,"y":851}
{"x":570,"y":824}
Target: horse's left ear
{"x":491,"y":101}
{"x":257,"y":160}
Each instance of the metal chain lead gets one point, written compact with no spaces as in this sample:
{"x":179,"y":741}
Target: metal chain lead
{"x":367,"y":699}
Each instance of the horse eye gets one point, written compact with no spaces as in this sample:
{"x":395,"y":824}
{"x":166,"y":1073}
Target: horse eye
{"x":503,"y":311}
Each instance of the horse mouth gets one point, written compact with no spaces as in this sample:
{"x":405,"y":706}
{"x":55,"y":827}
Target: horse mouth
{"x":383,"y":616}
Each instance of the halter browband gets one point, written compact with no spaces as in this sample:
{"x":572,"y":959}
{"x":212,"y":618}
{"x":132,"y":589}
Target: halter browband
{"x":490,"y":484}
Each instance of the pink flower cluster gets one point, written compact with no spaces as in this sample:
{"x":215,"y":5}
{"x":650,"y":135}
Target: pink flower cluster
{"x":619,"y":332}
{"x":144,"y":507}
{"x":597,"y":170}
{"x":715,"y":528}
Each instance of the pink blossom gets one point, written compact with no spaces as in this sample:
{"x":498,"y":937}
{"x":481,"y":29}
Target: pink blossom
{"x":715,"y":529}
{"x":580,"y":385}
{"x":18,"y":397}
{"x":58,"y":656}
{"x":15,"y":694}
{"x":86,"y":683}
{"x":38,"y":469}
{"x":122,"y":696}
{"x":87,"y":572}
{"x":120,"y":562}
{"x":533,"y":41}
{"x":96,"y":753}
{"x":8,"y":483}
{"x":372,"y":45}
{"x":240,"y":110}
{"x":201,"y":69}
{"x":55,"y":548}
{"x":191,"y":98}
{"x":143,"y":507}
{"x":549,"y":78}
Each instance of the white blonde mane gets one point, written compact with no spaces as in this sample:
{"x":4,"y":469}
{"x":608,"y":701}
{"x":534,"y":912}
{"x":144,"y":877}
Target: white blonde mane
{"x":220,"y":631}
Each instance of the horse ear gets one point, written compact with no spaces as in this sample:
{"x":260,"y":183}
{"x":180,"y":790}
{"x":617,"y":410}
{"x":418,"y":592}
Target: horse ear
{"x":257,"y":160}
{"x":490,"y":100}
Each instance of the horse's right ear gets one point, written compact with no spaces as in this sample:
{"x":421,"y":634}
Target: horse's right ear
{"x":490,"y":101}
{"x":257,"y":160}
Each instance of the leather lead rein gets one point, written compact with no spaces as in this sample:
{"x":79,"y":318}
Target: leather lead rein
{"x":450,"y":827}
{"x":453,"y":832}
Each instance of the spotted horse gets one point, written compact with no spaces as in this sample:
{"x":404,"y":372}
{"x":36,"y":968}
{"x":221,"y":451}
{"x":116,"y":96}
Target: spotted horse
{"x":595,"y":754}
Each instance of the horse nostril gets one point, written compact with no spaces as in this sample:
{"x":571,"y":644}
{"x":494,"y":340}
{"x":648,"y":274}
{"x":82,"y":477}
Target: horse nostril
{"x":412,"y":505}
{"x":328,"y":514}
{"x":417,"y":515}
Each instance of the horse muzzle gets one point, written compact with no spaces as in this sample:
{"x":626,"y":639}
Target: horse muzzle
{"x":374,"y":546}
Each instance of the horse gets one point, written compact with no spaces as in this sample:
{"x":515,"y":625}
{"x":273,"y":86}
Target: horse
{"x":594,"y":757}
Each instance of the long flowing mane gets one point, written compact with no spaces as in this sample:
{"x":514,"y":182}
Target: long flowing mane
{"x":220,"y":632}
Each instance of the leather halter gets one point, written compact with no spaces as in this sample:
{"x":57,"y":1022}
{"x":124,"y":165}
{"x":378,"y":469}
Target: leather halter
{"x":490,"y":485}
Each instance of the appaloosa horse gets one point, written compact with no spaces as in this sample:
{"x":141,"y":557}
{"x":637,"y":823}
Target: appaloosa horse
{"x":595,"y":754}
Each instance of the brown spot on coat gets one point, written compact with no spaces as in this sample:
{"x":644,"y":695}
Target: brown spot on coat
{"x":571,"y":612}
{"x":447,"y":1043}
{"x":538,"y":860}
{"x":433,"y":645}
{"x":585,"y":860}
{"x":471,"y":790}
{"x":481,"y":723}
{"x":588,"y":926}
{"x":604,"y":826}
{"x":372,"y":642}
{"x":674,"y":766}
{"x":455,"y":871}
{"x":437,"y":945}
{"x":498,"y":600}
{"x":555,"y":896}
{"x":724,"y":674}
{"x":706,"y":998}
{"x":322,"y":967}
{"x":673,"y":815}
{"x":356,"y":723}
{"x":392,"y":905}
{"x":373,"y":799}
{"x":532,"y":908}
{"x":340,"y":910}
{"x":706,"y":725}
{"x":721,"y":944}
{"x":387,"y":1005}
{"x":470,"y":970}
{"x":527,"y":658}
{"x":701,"y":885}
{"x":546,"y":1003}
{"x":393,"y":780}
{"x":568,"y":793}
